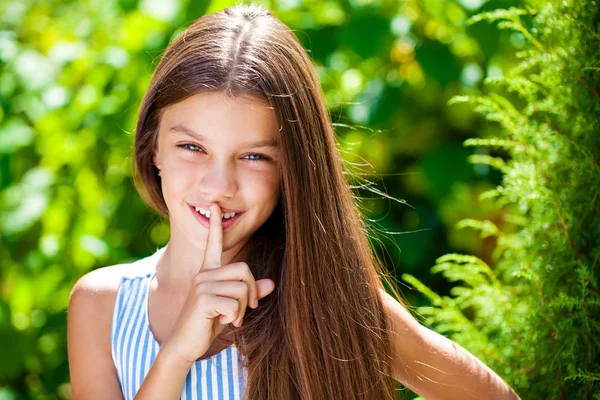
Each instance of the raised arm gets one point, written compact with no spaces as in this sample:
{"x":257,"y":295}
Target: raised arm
{"x":218,"y":296}
{"x":434,"y":366}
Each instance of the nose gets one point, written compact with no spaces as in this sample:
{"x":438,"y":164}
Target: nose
{"x":219,"y":181}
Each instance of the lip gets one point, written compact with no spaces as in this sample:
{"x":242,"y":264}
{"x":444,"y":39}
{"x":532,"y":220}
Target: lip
{"x":207,"y":207}
{"x":225,"y":223}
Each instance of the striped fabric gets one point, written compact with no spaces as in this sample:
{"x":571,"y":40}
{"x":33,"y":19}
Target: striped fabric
{"x":134,"y":348}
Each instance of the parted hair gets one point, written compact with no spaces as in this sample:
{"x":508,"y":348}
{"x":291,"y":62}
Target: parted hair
{"x":322,"y":334}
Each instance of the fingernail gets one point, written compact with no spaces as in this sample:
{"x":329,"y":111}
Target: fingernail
{"x":255,"y":303}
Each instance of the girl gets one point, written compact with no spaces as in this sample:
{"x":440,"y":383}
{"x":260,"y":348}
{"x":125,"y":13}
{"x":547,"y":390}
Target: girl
{"x":268,"y":287}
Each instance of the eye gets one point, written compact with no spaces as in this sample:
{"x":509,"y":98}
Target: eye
{"x":187,"y":146}
{"x":259,"y":157}
{"x":254,"y":157}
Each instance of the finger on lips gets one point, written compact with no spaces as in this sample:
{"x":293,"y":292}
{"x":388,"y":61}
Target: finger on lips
{"x":239,"y":271}
{"x":214,"y":242}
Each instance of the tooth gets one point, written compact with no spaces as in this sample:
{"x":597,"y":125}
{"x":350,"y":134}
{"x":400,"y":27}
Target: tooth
{"x":206,"y":213}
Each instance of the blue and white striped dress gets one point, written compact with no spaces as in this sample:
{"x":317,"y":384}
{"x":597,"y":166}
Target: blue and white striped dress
{"x":134,"y":347}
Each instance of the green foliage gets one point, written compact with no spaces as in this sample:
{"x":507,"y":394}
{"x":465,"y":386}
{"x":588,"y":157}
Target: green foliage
{"x":532,"y":312}
{"x":71,"y":78}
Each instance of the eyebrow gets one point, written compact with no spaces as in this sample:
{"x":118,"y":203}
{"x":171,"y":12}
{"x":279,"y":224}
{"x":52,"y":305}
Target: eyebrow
{"x":259,"y":143}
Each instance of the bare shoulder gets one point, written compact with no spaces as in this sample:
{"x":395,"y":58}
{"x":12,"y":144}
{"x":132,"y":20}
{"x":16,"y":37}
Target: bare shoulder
{"x":99,"y":285}
{"x":95,"y":292}
{"x":92,"y":301}
{"x":89,"y":320}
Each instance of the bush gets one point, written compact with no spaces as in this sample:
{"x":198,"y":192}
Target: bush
{"x":532,"y":316}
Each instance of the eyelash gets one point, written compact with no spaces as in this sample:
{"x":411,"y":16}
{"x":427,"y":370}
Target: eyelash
{"x":183,"y":146}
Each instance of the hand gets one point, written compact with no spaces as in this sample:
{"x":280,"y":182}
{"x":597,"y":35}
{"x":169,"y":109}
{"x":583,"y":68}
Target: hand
{"x":219,"y":295}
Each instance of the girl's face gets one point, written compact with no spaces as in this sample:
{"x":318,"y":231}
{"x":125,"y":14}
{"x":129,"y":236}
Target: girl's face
{"x":212,"y":148}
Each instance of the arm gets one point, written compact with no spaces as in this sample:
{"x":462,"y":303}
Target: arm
{"x":93,"y":374}
{"x":435,"y":367}
{"x":166,"y":376}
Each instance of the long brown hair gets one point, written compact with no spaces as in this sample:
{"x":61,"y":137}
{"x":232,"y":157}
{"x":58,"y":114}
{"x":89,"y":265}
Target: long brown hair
{"x":322,"y":334}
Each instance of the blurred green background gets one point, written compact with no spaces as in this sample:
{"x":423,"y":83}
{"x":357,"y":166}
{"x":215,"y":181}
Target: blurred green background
{"x":72,"y":74}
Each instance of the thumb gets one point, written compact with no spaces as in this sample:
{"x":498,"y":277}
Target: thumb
{"x":264,"y":287}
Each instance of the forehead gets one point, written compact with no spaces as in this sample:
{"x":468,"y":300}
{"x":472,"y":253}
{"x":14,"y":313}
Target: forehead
{"x":216,"y":113}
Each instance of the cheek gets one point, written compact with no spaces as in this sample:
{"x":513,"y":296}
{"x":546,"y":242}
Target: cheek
{"x":263,"y":191}
{"x":178,"y":181}
{"x":263,"y":184}
{"x":183,"y":169}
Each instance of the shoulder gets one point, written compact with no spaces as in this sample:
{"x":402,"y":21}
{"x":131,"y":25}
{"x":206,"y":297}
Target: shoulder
{"x":93,"y":298}
{"x":94,"y":295}
{"x":99,"y":285}
{"x":97,"y":290}
{"x":89,"y":320}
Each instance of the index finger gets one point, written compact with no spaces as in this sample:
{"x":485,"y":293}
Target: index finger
{"x":214,"y":242}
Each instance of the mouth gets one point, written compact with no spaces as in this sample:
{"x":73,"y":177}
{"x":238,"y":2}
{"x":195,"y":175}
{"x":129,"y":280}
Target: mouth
{"x":205,"y":221}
